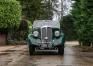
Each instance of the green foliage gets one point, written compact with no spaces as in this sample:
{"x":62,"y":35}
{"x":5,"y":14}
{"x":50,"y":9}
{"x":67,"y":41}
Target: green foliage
{"x":10,"y":13}
{"x":29,"y":23}
{"x":83,"y":19}
{"x":33,"y":9}
{"x":68,"y":28}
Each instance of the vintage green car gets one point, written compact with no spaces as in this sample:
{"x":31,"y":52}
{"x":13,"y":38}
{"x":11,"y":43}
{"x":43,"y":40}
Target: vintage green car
{"x":46,"y":34}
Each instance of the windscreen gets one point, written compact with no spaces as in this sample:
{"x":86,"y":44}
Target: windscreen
{"x":49,"y":23}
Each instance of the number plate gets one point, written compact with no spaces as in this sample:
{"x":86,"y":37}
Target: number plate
{"x":44,"y":45}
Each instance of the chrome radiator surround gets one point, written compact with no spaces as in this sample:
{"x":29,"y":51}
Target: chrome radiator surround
{"x":46,"y":35}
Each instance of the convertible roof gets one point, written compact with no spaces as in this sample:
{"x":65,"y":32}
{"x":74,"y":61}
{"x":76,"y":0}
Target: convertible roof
{"x":49,"y":23}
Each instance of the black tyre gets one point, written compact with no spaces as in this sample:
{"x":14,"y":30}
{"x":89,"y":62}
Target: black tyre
{"x":61,"y":50}
{"x":31,"y":50}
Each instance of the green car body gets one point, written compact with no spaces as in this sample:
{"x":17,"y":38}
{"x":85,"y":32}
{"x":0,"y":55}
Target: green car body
{"x":46,"y":34}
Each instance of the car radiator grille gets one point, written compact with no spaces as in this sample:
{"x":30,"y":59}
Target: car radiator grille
{"x":46,"y":35}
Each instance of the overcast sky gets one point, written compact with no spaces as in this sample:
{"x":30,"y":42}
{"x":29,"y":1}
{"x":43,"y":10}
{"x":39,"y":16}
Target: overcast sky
{"x":57,"y":6}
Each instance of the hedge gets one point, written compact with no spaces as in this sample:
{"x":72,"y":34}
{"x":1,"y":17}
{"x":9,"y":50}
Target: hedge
{"x":10,"y":13}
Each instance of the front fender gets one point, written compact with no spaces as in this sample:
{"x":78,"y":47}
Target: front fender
{"x":59,"y":41}
{"x":32,"y":41}
{"x":29,"y":41}
{"x":63,"y":38}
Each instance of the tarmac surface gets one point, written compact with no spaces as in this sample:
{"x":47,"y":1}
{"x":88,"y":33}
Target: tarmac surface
{"x":19,"y":56}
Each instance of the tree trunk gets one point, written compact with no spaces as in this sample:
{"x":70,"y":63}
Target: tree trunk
{"x":6,"y":38}
{"x":91,"y":45}
{"x":81,"y":44}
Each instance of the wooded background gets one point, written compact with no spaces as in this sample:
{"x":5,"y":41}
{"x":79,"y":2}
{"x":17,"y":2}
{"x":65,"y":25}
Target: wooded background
{"x":78,"y":25}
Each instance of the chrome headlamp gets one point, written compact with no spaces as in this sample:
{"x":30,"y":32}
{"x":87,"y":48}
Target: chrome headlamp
{"x":57,"y":33}
{"x":35,"y":33}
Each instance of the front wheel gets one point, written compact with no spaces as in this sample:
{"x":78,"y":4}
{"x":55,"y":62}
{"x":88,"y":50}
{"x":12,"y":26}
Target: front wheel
{"x":61,"y":50}
{"x":31,"y":49}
